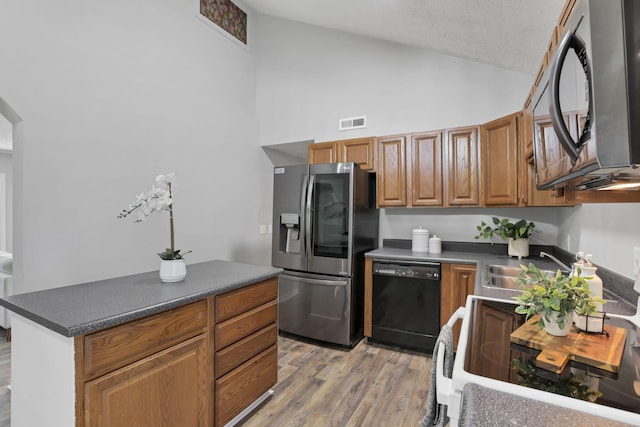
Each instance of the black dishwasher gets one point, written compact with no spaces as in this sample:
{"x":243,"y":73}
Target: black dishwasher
{"x":406,"y":304}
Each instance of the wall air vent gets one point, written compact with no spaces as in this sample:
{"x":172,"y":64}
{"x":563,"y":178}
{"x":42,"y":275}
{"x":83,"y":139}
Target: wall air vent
{"x":352,"y":123}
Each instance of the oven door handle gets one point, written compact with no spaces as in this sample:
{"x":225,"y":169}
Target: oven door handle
{"x":444,"y":385}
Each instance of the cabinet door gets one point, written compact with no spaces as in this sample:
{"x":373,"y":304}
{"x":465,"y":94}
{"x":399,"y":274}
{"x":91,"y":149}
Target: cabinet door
{"x":360,"y":151}
{"x":458,"y":281}
{"x":170,"y":388}
{"x":392,"y":174}
{"x":500,"y":161}
{"x":553,"y":197}
{"x":553,"y":160}
{"x":490,"y":342}
{"x":426,"y":169}
{"x":324,"y":152}
{"x":462,"y":174}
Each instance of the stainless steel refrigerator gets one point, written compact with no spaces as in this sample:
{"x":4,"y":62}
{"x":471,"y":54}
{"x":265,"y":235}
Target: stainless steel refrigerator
{"x":324,"y":220}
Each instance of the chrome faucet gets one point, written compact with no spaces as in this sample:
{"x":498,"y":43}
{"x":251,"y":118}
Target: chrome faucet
{"x":556,"y":260}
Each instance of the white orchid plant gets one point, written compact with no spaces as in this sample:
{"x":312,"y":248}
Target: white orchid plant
{"x":158,"y":199}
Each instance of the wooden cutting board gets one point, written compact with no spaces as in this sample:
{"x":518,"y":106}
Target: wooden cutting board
{"x":596,"y":350}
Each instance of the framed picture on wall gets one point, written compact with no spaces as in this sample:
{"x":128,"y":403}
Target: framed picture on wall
{"x":226,"y":17}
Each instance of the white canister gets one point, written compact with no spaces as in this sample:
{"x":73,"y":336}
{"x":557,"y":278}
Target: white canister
{"x":435,"y":245}
{"x":420,"y":240}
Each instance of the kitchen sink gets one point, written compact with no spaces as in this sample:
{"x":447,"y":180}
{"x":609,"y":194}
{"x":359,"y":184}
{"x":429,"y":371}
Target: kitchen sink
{"x":505,"y":276}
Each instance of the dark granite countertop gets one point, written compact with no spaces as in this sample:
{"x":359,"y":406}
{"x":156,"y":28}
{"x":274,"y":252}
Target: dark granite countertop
{"x":81,"y":309}
{"x":617,"y":290}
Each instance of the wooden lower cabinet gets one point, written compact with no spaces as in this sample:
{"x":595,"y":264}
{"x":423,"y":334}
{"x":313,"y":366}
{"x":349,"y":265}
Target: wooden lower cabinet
{"x":236,"y":390}
{"x":154,"y":371}
{"x":163,"y":390}
{"x":457,"y":282}
{"x":246,"y":352}
{"x":490,"y":341}
{"x":192,"y":366}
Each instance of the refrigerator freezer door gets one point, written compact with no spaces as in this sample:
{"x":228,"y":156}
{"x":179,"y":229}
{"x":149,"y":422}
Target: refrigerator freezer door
{"x":289,"y":194}
{"x":316,"y":306}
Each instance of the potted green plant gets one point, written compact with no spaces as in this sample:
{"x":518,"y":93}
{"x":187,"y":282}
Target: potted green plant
{"x":516,"y":233}
{"x":555,"y":298}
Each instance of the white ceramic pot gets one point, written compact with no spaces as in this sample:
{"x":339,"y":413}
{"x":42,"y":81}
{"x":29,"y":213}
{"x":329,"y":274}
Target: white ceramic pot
{"x":552,"y":327}
{"x":519,"y":248}
{"x":420,"y":240}
{"x":173,"y":270}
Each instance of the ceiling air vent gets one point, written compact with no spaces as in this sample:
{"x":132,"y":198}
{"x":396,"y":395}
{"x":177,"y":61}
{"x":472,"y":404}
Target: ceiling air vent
{"x":352,"y":123}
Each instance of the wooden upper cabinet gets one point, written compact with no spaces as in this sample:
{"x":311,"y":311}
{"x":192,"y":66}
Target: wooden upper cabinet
{"x":360,"y":151}
{"x":500,"y":161}
{"x":323,"y":152}
{"x":462,"y":162}
{"x":552,"y":197}
{"x":391,"y":172}
{"x":553,"y":160}
{"x":426,"y":169}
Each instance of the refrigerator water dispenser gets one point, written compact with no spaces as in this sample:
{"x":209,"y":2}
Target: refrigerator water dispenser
{"x":290,"y":227}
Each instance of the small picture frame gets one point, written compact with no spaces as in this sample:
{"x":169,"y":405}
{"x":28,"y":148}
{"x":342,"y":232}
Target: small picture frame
{"x":226,"y":17}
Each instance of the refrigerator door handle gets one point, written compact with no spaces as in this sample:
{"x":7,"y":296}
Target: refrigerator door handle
{"x":307,"y":223}
{"x":303,"y":216}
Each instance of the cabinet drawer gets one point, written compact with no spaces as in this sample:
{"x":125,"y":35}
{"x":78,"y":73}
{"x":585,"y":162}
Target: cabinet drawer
{"x":110,"y":349}
{"x":243,"y":350}
{"x":236,"y":302}
{"x":245,"y":324}
{"x":236,"y":390}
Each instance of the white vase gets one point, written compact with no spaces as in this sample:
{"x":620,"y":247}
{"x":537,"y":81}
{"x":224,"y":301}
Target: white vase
{"x":173,"y":270}
{"x":519,"y":247}
{"x":552,"y":327}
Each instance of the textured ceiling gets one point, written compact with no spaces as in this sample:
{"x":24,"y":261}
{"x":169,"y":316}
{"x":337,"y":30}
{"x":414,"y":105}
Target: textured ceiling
{"x":511,"y":34}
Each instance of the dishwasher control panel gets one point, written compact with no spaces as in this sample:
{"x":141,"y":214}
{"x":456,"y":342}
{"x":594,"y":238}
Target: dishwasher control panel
{"x":418,"y":271}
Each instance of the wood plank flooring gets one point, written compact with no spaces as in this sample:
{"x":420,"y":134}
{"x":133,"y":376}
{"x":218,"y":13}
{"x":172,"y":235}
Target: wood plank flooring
{"x":5,"y":379}
{"x":324,"y":386}
{"x":321,"y":386}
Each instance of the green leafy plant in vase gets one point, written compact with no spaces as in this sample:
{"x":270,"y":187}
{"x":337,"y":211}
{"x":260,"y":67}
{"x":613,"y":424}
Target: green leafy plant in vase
{"x":516,"y":233}
{"x":555,"y":297}
{"x":160,"y":199}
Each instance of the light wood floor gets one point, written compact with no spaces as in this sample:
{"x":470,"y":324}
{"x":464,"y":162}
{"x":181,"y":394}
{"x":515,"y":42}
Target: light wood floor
{"x":5,"y":379}
{"x":323,"y":386}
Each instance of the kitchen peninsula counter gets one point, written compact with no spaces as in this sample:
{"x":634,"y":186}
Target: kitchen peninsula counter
{"x":136,"y":350}
{"x":81,"y":309}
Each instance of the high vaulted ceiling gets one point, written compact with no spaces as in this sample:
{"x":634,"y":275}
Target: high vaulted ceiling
{"x":511,"y":34}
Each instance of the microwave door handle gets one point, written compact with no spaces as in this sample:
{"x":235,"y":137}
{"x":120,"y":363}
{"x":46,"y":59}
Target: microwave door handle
{"x":308,"y":214}
{"x":555,"y":111}
{"x":571,"y":147}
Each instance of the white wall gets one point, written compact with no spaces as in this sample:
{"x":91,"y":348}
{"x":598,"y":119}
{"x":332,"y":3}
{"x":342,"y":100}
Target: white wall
{"x":608,"y":231}
{"x":112,"y":94}
{"x":459,"y":224}
{"x":309,"y":77}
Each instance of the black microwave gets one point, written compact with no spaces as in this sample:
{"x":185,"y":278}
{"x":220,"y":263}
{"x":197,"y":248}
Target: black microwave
{"x":586,"y":111}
